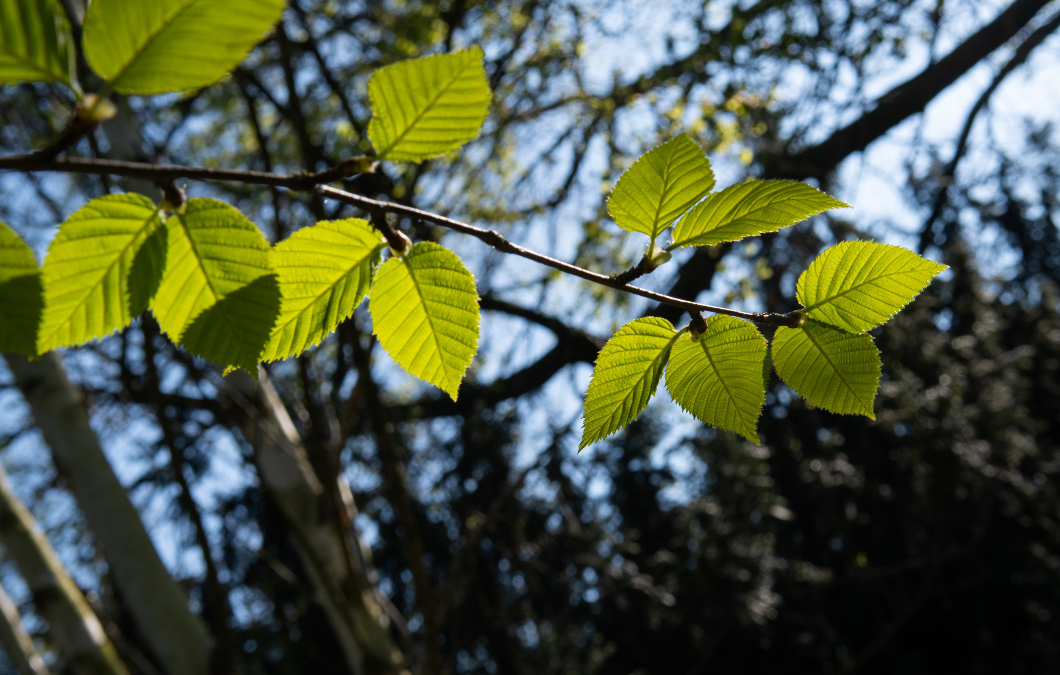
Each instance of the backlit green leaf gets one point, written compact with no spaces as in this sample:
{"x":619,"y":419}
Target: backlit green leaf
{"x":35,"y":42}
{"x":20,"y":295}
{"x":324,"y":271}
{"x":832,"y":369}
{"x":101,"y":269}
{"x":425,"y":312}
{"x":858,"y":285}
{"x":660,"y":186}
{"x":427,"y":107}
{"x":218,"y":298}
{"x":626,"y":375}
{"x":155,"y":46}
{"x":718,"y":376}
{"x":749,"y":209}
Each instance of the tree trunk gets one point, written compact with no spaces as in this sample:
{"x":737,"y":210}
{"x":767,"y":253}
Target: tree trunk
{"x":177,"y":637}
{"x":17,"y":643}
{"x":76,"y":628}
{"x":337,"y":573}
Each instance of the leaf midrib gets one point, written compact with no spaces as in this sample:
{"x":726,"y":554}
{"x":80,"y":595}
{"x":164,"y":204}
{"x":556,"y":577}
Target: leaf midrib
{"x":724,"y":384}
{"x":427,"y":313}
{"x":51,"y":76}
{"x":831,"y":363}
{"x":209,"y":284}
{"x":732,"y":218}
{"x":644,"y":375}
{"x":832,"y":298}
{"x":137,"y":53}
{"x":425,"y":110}
{"x":329,"y":288}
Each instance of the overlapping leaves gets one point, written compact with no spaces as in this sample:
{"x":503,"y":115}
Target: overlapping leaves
{"x":20,"y":295}
{"x":219,"y":298}
{"x":626,"y":376}
{"x":660,"y":186}
{"x":850,"y":288}
{"x":749,"y":209}
{"x":101,"y":269}
{"x":217,"y":289}
{"x":35,"y":42}
{"x":324,"y":272}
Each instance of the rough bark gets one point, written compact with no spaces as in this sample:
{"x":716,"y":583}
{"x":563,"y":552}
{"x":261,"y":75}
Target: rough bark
{"x":72,"y":623}
{"x":335,"y":568}
{"x":17,"y":644}
{"x":177,"y":637}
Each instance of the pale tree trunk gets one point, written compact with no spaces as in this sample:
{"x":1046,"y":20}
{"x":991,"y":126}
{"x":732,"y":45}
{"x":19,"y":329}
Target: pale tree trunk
{"x":17,"y":643}
{"x":72,"y":623}
{"x":177,"y":637}
{"x":336,"y":569}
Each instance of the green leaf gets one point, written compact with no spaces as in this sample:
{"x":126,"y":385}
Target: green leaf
{"x":749,"y":209}
{"x":35,"y":42}
{"x":832,"y":369}
{"x":20,"y":295}
{"x":858,"y":285}
{"x":218,"y":298}
{"x":324,"y":271}
{"x":101,"y":269}
{"x":626,"y":376}
{"x":427,"y":107}
{"x":155,"y":46}
{"x":425,"y":312}
{"x":660,"y":186}
{"x":718,"y":376}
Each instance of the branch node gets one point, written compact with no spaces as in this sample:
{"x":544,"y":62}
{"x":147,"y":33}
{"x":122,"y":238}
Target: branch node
{"x":398,"y":240}
{"x":173,"y":198}
{"x":698,"y":325}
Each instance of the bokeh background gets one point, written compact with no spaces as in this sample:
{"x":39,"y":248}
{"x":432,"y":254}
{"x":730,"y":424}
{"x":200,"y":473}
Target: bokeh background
{"x":925,"y":541}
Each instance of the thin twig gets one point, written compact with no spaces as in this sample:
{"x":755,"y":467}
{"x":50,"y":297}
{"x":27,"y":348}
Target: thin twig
{"x":496,"y":240}
{"x":346,"y":168}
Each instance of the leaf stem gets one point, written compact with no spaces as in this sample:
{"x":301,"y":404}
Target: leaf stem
{"x":306,"y":182}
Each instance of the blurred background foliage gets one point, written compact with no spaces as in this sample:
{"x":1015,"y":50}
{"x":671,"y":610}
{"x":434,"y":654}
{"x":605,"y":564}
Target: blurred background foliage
{"x":925,"y":541}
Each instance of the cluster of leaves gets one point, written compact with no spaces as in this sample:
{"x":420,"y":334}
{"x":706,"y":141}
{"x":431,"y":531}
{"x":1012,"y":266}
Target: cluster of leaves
{"x":220,"y":291}
{"x":719,"y":372}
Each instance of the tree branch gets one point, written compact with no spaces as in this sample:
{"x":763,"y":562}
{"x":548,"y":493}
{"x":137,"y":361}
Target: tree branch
{"x":906,"y":99}
{"x":1021,"y":55}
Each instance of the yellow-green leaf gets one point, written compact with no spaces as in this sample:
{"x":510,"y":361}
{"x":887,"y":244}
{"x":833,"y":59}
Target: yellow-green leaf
{"x":749,"y":209}
{"x":20,"y":295}
{"x":717,"y":376}
{"x":858,"y":285}
{"x":425,"y":312}
{"x":427,"y":107}
{"x":218,"y":298}
{"x":101,"y":269}
{"x":35,"y":42}
{"x":832,"y":369}
{"x":155,"y":46}
{"x":324,"y":271}
{"x":626,"y":376}
{"x":660,"y":186}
